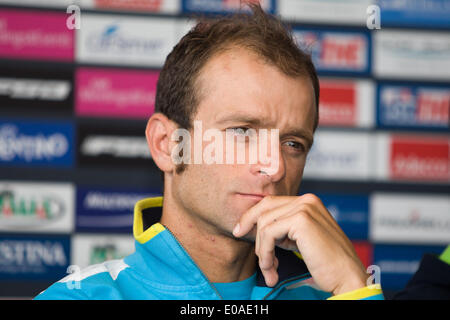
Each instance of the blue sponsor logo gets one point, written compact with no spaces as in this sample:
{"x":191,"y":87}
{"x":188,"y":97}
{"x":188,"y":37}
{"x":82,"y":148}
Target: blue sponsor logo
{"x":336,"y":52}
{"x":36,"y":143}
{"x":221,"y":6}
{"x":398,"y":263}
{"x":351,"y":212}
{"x":34,"y":258}
{"x":413,"y":106}
{"x":101,"y":210}
{"x":112,"y":40}
{"x":415,"y":13}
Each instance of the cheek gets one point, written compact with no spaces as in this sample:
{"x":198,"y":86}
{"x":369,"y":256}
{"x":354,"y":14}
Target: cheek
{"x":206,"y":179}
{"x":294,"y":173}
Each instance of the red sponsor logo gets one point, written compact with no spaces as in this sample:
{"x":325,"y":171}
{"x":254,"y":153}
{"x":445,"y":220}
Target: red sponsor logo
{"x":343,"y":51}
{"x":337,"y":103}
{"x":419,"y":158}
{"x":146,"y":5}
{"x":433,"y":106}
{"x":364,"y":250}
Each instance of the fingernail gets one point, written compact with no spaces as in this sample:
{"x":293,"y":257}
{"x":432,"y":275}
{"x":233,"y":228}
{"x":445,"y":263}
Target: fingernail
{"x":236,"y":229}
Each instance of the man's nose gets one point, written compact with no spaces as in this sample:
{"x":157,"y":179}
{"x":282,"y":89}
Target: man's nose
{"x":274,"y":168}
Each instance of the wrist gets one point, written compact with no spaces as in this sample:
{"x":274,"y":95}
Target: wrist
{"x":351,"y":284}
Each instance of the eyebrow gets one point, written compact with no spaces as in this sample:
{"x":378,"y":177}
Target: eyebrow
{"x":236,"y":117}
{"x":245,"y":118}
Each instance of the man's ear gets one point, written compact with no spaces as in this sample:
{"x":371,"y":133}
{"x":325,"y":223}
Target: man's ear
{"x":158,"y":132}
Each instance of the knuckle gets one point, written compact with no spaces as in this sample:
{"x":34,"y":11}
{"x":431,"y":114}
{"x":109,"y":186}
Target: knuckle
{"x":265,"y":231}
{"x":310,"y":197}
{"x":306,"y":206}
{"x":302,"y":218}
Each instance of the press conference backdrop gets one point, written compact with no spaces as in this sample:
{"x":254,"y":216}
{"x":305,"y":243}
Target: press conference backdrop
{"x":74,"y":104}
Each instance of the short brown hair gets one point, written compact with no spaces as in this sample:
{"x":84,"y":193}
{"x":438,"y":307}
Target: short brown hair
{"x":264,"y":34}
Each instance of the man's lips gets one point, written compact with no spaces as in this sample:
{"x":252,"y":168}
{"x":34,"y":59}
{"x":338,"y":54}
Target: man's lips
{"x":254,"y":196}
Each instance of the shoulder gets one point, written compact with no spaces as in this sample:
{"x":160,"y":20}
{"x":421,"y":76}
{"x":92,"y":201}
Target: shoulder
{"x":98,"y":279}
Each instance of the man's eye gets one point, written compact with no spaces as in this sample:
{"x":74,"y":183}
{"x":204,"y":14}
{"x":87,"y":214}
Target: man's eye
{"x":240,"y":130}
{"x":295,"y":145}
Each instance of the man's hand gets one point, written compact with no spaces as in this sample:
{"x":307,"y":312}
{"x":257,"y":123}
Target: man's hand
{"x":302,"y":223}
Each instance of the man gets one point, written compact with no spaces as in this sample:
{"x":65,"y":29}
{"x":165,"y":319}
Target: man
{"x":234,"y":230}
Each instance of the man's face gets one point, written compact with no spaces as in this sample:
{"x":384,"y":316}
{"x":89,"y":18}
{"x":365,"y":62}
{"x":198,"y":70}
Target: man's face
{"x":238,"y":90}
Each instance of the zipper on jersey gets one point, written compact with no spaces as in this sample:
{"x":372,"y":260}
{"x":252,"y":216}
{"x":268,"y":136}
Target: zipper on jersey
{"x":201,"y":272}
{"x":285,"y":282}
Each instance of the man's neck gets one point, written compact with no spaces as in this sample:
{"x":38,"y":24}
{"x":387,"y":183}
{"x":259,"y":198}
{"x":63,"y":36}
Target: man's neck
{"x":220,"y":257}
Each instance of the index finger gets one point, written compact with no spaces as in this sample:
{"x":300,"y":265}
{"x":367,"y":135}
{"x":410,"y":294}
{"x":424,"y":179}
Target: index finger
{"x":250,"y":217}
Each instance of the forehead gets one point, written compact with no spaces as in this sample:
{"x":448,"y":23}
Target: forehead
{"x":238,"y":82}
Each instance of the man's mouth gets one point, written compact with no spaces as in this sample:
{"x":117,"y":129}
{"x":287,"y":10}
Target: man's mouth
{"x":252,"y":196}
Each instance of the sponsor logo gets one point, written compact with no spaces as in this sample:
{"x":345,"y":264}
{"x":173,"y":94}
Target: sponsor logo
{"x":417,"y":13}
{"x":112,"y":39}
{"x":93,"y":249}
{"x":339,"y":156}
{"x":35,"y":143}
{"x":412,"y":54}
{"x":415,"y":220}
{"x":113,"y":146}
{"x":419,"y":158}
{"x":339,"y":160}
{"x":342,"y":11}
{"x":218,"y":6}
{"x":405,"y":267}
{"x":23,"y":146}
{"x":346,"y":103}
{"x":99,"y":253}
{"x":426,"y":48}
{"x":115,"y":39}
{"x":33,"y":258}
{"x":337,"y":104}
{"x":97,"y":200}
{"x":336,"y":51}
{"x":42,"y":210}
{"x":410,"y":218}
{"x":414,"y":106}
{"x":351,"y":212}
{"x":36,"y":89}
{"x":116,"y":93}
{"x":107,"y":210}
{"x":23,"y":35}
{"x":433,"y":106}
{"x":36,"y":207}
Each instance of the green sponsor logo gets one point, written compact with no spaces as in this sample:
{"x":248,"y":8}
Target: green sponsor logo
{"x":100,"y":254}
{"x":29,"y":208}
